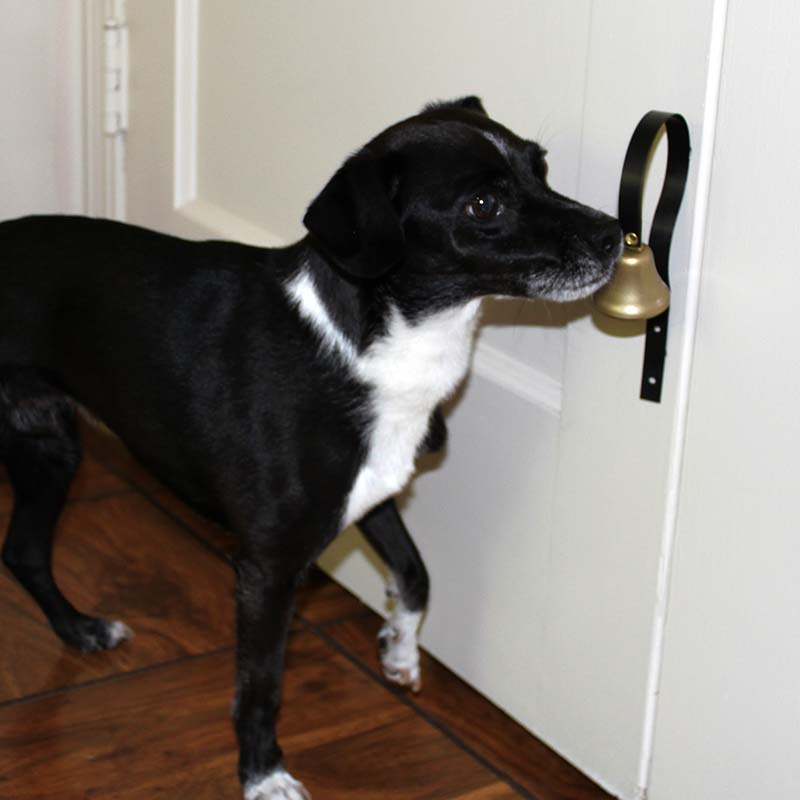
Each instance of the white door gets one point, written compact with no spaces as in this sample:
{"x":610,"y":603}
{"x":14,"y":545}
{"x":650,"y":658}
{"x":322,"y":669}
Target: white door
{"x":547,"y":525}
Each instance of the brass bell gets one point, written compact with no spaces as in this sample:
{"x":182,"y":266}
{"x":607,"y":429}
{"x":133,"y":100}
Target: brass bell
{"x":636,"y":290}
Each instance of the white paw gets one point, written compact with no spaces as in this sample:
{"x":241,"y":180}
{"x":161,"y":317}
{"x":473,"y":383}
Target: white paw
{"x":118,"y":632}
{"x":278,"y":785}
{"x":397,"y":643}
{"x":92,"y":634}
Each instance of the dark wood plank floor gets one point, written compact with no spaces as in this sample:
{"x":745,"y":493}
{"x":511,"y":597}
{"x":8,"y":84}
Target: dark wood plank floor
{"x":151,"y":719}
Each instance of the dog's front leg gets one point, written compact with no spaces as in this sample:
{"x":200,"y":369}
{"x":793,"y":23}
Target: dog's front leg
{"x":408,"y":591}
{"x":264,"y":598}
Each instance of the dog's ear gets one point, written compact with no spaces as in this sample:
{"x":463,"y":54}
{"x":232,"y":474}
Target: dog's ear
{"x":471,"y":103}
{"x":353,"y":219}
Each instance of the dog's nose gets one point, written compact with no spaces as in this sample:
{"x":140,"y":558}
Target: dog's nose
{"x":608,"y":238}
{"x":608,"y":244}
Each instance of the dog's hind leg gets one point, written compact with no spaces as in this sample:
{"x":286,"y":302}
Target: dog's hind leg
{"x":408,"y":590}
{"x":39,"y":445}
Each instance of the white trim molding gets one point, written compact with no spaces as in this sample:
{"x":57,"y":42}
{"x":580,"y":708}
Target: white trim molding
{"x":218,"y":221}
{"x":210,"y":216}
{"x":187,"y":43}
{"x":515,"y":376}
{"x":93,"y":144}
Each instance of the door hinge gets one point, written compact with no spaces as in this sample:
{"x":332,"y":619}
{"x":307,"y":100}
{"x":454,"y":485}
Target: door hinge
{"x":116,"y":71}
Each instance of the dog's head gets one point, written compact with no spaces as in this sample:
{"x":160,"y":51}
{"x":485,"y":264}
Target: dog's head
{"x":451,"y":205}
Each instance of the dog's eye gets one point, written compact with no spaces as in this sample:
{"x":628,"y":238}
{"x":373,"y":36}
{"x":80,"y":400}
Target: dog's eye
{"x":484,"y":207}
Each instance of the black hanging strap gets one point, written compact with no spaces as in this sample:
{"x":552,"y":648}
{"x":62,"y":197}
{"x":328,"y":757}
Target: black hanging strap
{"x":631,"y":190}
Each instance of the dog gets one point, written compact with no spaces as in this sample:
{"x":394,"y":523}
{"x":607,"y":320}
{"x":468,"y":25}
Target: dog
{"x":284,"y":393}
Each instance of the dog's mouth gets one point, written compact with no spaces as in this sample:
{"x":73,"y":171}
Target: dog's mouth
{"x":581,"y":271}
{"x":567,"y":291}
{"x":574,"y":277}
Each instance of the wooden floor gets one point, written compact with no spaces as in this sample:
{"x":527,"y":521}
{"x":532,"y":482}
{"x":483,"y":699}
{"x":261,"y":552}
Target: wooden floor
{"x":151,"y":719}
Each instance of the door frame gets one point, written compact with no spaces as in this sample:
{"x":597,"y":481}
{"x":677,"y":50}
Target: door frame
{"x":704,"y":159}
{"x":104,"y":153}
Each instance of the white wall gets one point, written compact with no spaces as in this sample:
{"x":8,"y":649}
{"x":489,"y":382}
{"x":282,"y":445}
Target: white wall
{"x":41,"y":116}
{"x":729,"y":716}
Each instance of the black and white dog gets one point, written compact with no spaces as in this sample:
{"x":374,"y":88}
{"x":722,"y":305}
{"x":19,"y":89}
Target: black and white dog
{"x":285,"y":393}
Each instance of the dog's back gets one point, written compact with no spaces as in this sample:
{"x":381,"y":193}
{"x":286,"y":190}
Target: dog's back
{"x":63,"y":276}
{"x":102,"y":313}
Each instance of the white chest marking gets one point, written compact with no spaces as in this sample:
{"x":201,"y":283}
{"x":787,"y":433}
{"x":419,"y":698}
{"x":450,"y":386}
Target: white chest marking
{"x":410,"y":370}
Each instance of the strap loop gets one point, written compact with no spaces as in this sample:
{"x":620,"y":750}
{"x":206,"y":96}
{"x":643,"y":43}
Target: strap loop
{"x":631,"y":191}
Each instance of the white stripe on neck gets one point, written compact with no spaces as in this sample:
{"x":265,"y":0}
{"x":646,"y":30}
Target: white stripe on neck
{"x":303,"y":292}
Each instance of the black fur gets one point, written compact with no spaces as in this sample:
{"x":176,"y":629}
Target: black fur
{"x":193,"y":355}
